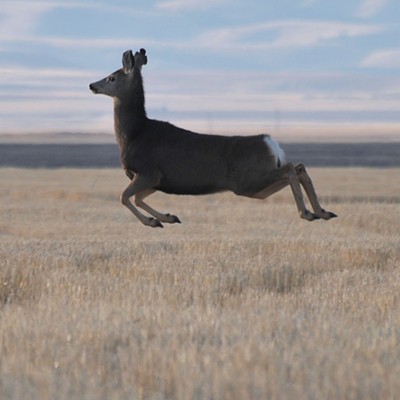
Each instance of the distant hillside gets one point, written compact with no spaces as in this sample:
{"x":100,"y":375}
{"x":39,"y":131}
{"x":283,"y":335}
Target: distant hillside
{"x":107,"y":155}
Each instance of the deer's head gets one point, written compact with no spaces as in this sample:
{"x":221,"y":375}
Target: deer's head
{"x":120,"y":83}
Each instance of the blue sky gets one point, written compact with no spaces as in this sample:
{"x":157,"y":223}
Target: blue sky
{"x":317,"y":68}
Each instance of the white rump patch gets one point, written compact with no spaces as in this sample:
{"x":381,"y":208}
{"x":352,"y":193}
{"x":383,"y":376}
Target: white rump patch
{"x":276,"y":150}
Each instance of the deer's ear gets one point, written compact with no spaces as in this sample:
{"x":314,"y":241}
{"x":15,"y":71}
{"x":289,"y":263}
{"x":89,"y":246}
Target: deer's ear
{"x":128,"y":61}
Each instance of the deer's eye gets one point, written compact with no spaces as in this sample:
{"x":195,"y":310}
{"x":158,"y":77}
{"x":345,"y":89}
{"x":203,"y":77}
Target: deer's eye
{"x":110,"y":79}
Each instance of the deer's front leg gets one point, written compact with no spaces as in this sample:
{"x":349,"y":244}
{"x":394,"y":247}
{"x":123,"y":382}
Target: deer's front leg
{"x":129,"y":174}
{"x":168,"y":218}
{"x":140,"y":183}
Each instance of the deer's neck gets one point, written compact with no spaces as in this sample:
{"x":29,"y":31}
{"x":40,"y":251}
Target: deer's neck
{"x":130,"y":113}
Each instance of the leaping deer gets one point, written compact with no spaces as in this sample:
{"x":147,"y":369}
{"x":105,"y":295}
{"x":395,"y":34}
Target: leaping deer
{"x":159,"y":156}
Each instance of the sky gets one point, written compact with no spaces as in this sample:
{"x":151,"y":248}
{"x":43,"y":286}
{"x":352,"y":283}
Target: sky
{"x":317,"y":68}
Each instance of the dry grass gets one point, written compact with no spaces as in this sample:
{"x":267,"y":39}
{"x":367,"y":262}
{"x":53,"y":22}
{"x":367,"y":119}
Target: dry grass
{"x":242,"y":301}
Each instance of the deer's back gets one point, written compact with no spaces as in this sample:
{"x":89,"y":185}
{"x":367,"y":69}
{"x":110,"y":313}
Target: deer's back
{"x":193,"y":163}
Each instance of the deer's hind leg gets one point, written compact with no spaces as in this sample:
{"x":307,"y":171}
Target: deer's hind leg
{"x":279,"y":179}
{"x":308,"y":186}
{"x":167,"y":218}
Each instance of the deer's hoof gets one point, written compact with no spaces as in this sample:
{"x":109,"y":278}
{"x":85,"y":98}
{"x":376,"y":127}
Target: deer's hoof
{"x":154,"y":223}
{"x":328,"y":215}
{"x":169,"y":219}
{"x":309,"y":216}
{"x":173,"y":219}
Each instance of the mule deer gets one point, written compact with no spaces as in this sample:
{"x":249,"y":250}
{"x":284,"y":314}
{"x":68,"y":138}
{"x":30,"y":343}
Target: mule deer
{"x":158,"y":156}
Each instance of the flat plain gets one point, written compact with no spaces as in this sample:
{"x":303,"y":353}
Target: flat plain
{"x":242,"y":301}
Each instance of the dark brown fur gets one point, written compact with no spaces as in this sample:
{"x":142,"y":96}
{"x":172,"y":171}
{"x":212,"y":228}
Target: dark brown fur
{"x":159,"y":156}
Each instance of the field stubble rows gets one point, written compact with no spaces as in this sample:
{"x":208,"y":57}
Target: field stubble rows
{"x":242,"y":301}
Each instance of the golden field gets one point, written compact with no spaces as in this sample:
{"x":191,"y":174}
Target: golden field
{"x":244,"y":300}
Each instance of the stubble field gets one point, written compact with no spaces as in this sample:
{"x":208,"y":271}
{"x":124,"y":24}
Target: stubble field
{"x":242,"y":301}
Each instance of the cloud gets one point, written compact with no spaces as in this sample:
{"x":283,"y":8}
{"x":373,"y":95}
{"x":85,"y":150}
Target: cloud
{"x":284,"y":34}
{"x":19,"y":26}
{"x":62,"y":42}
{"x":44,"y":77}
{"x":187,"y":5}
{"x":389,"y":58}
{"x":369,"y":8}
{"x":20,"y":18}
{"x":219,"y":101}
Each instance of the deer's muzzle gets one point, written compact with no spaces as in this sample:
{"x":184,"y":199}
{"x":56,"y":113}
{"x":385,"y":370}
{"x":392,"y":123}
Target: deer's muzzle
{"x":93,"y":89}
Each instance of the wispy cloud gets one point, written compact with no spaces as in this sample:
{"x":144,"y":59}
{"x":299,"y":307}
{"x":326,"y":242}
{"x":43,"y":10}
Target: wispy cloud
{"x":281,"y":34}
{"x":68,"y":42}
{"x":187,"y":5}
{"x":180,"y":83}
{"x":20,"y":18}
{"x":370,"y":8}
{"x":12,"y":76}
{"x":389,"y":58}
{"x":59,"y":99}
{"x":41,"y":100}
{"x":19,"y":23}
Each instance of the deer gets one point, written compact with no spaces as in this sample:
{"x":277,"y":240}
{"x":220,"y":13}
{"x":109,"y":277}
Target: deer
{"x":159,"y":156}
